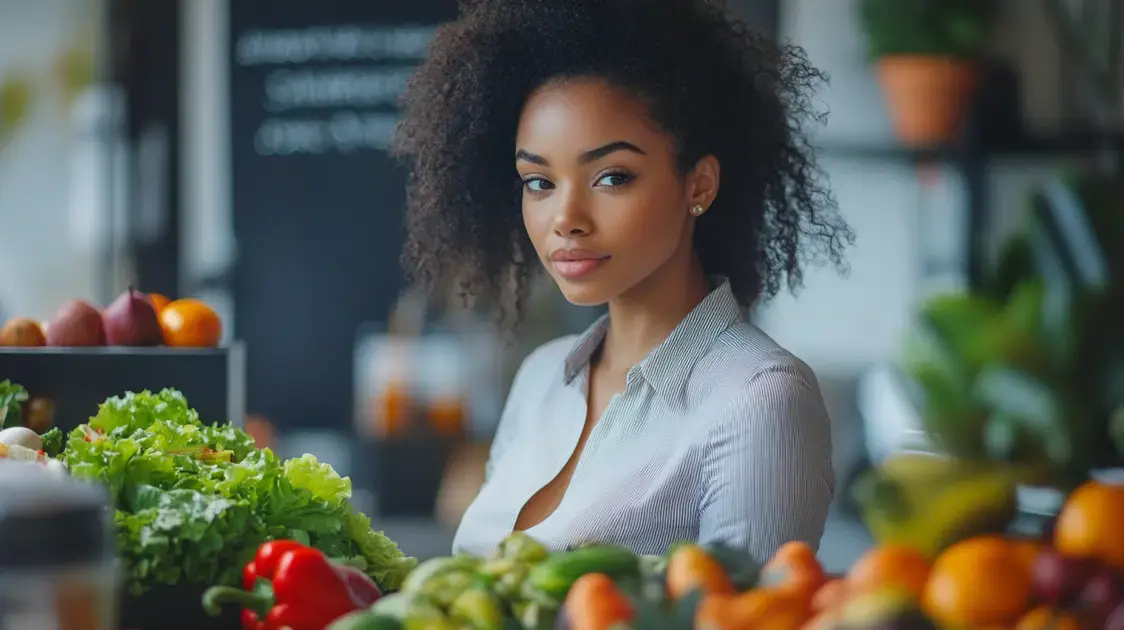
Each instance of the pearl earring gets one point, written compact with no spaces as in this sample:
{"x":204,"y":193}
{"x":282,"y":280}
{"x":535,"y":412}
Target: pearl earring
{"x":697,"y":210}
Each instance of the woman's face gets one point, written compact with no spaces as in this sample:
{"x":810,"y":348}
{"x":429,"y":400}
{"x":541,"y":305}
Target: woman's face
{"x":603,"y":201}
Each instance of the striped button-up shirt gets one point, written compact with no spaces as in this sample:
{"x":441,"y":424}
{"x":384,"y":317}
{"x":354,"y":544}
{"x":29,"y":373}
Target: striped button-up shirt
{"x":720,"y":435}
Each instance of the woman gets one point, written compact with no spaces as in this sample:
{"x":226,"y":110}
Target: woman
{"x":648,"y":155}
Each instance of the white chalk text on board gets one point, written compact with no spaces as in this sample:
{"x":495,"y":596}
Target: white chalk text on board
{"x":330,"y":89}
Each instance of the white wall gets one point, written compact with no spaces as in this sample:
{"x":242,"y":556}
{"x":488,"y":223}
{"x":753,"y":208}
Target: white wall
{"x":44,"y":258}
{"x":841,"y":325}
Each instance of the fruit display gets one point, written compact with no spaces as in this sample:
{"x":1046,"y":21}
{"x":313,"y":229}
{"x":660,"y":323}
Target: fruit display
{"x":133,"y":319}
{"x":942,"y":561}
{"x":943,"y":551}
{"x":598,"y":587}
{"x":1072,"y":581}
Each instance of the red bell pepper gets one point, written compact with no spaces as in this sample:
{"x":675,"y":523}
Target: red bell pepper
{"x":289,"y":585}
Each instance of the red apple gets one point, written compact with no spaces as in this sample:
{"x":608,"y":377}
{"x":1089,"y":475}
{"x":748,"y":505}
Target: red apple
{"x":1115,"y":620}
{"x":1102,"y":594}
{"x":1058,"y":579}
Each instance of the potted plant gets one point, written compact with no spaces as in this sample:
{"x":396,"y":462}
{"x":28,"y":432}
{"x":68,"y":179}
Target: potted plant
{"x":1028,"y":372}
{"x":927,"y":54}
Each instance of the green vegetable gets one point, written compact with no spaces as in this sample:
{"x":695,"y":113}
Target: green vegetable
{"x":555,"y":575}
{"x":195,"y":501}
{"x":478,"y":609}
{"x":12,"y":397}
{"x":520,"y":547}
{"x":402,"y":605}
{"x":445,"y":588}
{"x":52,"y":442}
{"x":364,"y":620}
{"x":435,"y":567}
{"x":535,"y":615}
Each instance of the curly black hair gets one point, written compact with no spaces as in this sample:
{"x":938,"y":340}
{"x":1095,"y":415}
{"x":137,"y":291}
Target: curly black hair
{"x":715,"y":85}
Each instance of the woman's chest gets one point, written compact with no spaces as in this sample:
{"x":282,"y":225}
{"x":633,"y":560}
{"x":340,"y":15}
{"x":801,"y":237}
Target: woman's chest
{"x":638,"y":480}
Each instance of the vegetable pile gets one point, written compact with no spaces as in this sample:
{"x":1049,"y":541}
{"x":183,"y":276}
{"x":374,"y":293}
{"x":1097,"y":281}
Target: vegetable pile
{"x":195,"y":501}
{"x":593,"y":587}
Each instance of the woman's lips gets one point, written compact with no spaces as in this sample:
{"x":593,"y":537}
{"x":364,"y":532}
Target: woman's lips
{"x":573,"y":264}
{"x":579,"y":268}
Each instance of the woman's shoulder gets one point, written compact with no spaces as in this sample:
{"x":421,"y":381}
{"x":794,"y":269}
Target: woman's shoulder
{"x":749,"y":354}
{"x":550,"y":354}
{"x":543,"y":363}
{"x":747,"y":368}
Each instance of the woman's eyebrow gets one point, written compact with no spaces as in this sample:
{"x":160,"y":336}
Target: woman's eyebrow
{"x":589,"y":156}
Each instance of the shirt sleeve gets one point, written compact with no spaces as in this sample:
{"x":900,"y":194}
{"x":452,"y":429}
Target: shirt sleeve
{"x":769,"y":470}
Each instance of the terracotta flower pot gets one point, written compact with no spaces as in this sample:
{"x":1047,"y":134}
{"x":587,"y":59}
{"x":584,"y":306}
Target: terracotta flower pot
{"x":927,"y":96}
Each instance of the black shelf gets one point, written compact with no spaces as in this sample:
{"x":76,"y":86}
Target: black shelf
{"x":972,"y":158}
{"x":77,"y":380}
{"x":1045,"y":145}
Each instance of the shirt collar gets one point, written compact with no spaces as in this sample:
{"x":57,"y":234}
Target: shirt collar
{"x":667,"y":367}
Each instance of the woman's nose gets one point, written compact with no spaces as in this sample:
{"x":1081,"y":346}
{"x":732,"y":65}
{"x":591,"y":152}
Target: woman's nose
{"x":572,"y":219}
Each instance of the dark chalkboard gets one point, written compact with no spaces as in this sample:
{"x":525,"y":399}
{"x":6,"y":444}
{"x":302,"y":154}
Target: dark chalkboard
{"x":317,"y":201}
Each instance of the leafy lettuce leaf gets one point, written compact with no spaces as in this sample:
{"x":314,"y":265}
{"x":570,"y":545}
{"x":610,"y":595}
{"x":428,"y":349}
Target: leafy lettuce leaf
{"x":52,"y":442}
{"x":194,"y":501}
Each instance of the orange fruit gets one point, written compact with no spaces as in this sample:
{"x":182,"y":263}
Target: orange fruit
{"x":829,"y":596}
{"x":1046,"y":618}
{"x":760,"y":609}
{"x":690,"y":567}
{"x":595,"y":603}
{"x":189,"y":323}
{"x":794,"y":567}
{"x":830,"y":619}
{"x":977,"y":582}
{"x":1028,"y":549}
{"x":1088,"y":525}
{"x":892,"y":565}
{"x":158,"y":301}
{"x":22,"y":332}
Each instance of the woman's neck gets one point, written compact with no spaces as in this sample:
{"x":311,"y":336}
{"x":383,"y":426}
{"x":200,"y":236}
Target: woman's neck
{"x":642,"y":318}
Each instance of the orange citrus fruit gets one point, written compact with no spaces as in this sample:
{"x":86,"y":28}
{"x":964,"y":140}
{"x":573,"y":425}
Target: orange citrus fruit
{"x":759,"y":608}
{"x":189,"y":323}
{"x":690,"y":567}
{"x":158,"y":301}
{"x":795,"y":567}
{"x":1028,"y":549}
{"x":977,"y":582}
{"x":22,"y":332}
{"x":1088,"y":525}
{"x":829,"y":596}
{"x":892,"y":565}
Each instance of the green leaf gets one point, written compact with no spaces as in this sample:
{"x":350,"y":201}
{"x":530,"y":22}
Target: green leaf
{"x":12,"y":397}
{"x":1001,"y":435}
{"x":1116,"y":430}
{"x":1031,"y":403}
{"x":958,"y":28}
{"x":53,"y":441}
{"x":320,"y":479}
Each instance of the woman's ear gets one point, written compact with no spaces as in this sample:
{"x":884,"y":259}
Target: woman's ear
{"x":702,"y":182}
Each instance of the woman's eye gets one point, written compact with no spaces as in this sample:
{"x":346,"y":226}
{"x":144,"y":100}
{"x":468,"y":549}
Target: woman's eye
{"x":537,"y":184}
{"x":612,"y":180}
